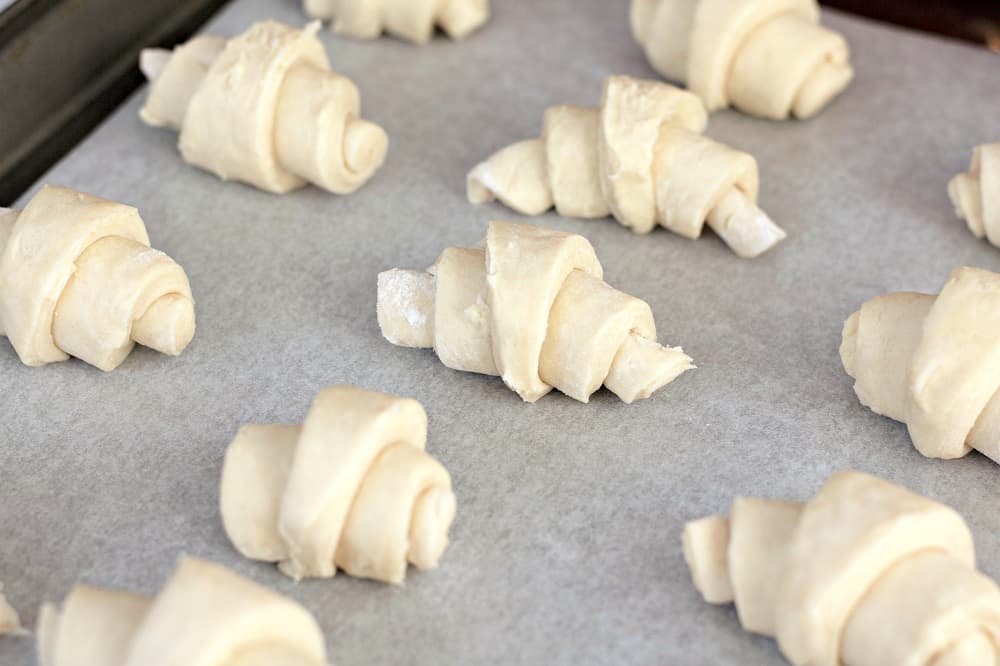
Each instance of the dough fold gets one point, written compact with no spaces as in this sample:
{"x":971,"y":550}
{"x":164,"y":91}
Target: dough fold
{"x":866,"y":573}
{"x":412,"y":20}
{"x":78,"y":278}
{"x":640,"y":157}
{"x":204,"y":616}
{"x":976,"y":193}
{"x":531,"y":307}
{"x":264,"y":108}
{"x":353,"y":488}
{"x":933,"y":362}
{"x":769,"y":58}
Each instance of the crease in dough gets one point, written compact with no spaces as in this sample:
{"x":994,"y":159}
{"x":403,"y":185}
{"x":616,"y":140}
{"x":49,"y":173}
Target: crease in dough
{"x":866,"y":573}
{"x":205,"y":615}
{"x":933,"y":362}
{"x":78,"y":278}
{"x":264,"y":108}
{"x":412,"y":20}
{"x":640,"y":157}
{"x":769,"y":58}
{"x":976,"y":193}
{"x":352,"y":488}
{"x":531,"y":307}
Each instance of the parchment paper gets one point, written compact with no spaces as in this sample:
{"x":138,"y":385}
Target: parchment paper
{"x":566,"y":546}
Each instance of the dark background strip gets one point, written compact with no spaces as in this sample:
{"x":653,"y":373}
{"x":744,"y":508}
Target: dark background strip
{"x":66,"y":64}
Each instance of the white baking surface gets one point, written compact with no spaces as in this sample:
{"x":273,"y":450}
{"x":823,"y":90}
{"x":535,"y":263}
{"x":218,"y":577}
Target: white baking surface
{"x":566,"y":548}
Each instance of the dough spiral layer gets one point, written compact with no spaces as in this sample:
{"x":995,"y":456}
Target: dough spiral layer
{"x":769,"y":58}
{"x":204,"y":616}
{"x":933,"y":362}
{"x":352,"y":488}
{"x":976,"y":193}
{"x":532,"y":308}
{"x":264,"y":108}
{"x":864,"y":574}
{"x":640,"y":157}
{"x":78,"y":278}
{"x":412,"y":20}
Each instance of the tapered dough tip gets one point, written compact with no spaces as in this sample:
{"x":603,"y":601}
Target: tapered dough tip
{"x":644,"y":366}
{"x":460,"y":18}
{"x":432,"y":517}
{"x":516,"y":175}
{"x":365,"y":147}
{"x":405,"y":307}
{"x":10,"y":622}
{"x":849,"y":343}
{"x":743,"y":226}
{"x":706,"y":546}
{"x":152,"y":62}
{"x":827,"y":82}
{"x":167,"y":326}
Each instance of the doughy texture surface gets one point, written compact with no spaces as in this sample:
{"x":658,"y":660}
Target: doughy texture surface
{"x":205,"y":615}
{"x":863,"y":573}
{"x":770,"y":58}
{"x":352,"y":488}
{"x":531,"y":307}
{"x":932,"y":362}
{"x":263,"y":107}
{"x":412,"y":20}
{"x":569,"y":515}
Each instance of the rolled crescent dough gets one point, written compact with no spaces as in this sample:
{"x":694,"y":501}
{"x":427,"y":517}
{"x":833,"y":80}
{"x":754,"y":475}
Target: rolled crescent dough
{"x":770,"y":58}
{"x":933,"y":362}
{"x":204,"y":616}
{"x":264,"y":108}
{"x":353,"y":488}
{"x":640,"y":157}
{"x":412,"y":20}
{"x":976,"y":193}
{"x":531,"y":307}
{"x":78,"y":278}
{"x":866,"y":573}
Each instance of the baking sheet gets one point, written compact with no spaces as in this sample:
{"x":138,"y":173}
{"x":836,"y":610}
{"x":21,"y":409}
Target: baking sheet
{"x":566,"y":545}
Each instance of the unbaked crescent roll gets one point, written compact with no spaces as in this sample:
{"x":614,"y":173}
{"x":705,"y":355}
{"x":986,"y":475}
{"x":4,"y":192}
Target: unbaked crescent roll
{"x":412,"y":20}
{"x":933,"y":362}
{"x":866,"y":573}
{"x":10,"y":622}
{"x":264,"y":108}
{"x":204,"y":616}
{"x":353,"y":488}
{"x":78,"y":278}
{"x":640,"y":157}
{"x":531,"y":307}
{"x":770,"y":58}
{"x":976,"y":193}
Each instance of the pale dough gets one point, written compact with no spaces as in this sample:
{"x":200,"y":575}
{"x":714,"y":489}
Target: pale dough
{"x":976,"y":193}
{"x":933,"y":362}
{"x":204,"y":616}
{"x":531,"y":307}
{"x":866,"y":573}
{"x":353,"y":488}
{"x":10,"y":622}
{"x":412,"y":20}
{"x":770,"y":58}
{"x":78,"y":278}
{"x":640,"y":157}
{"x":264,"y":108}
